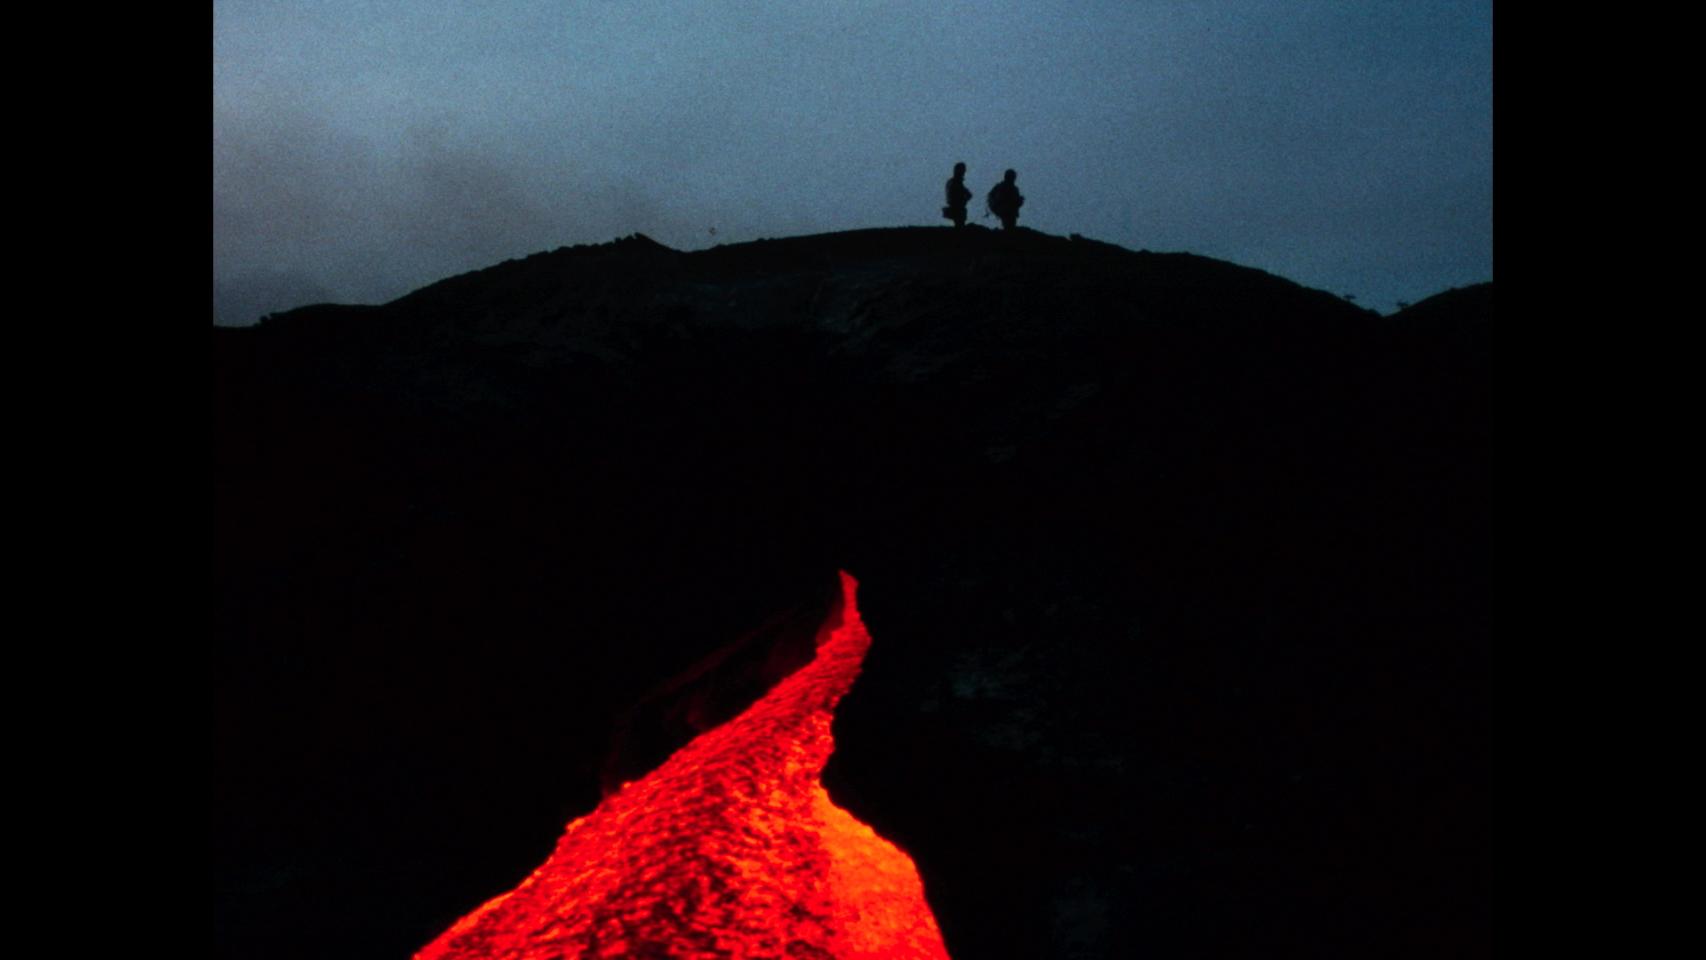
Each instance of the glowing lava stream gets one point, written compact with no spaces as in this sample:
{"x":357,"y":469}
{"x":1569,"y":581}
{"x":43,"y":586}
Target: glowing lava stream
{"x":730,"y":849}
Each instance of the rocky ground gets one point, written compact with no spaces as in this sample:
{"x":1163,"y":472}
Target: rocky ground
{"x":1178,"y":576}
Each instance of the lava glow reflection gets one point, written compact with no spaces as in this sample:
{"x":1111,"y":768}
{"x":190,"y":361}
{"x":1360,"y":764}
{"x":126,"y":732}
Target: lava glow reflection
{"x":730,"y":849}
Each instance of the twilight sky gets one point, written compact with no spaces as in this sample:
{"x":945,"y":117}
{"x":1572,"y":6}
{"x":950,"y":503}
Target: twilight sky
{"x":365,"y":148}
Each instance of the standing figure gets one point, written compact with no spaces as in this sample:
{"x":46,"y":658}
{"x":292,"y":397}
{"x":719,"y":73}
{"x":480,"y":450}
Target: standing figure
{"x":958,"y":196}
{"x":1005,"y":200}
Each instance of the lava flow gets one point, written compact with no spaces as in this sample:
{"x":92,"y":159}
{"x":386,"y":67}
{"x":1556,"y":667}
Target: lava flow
{"x":730,"y":849}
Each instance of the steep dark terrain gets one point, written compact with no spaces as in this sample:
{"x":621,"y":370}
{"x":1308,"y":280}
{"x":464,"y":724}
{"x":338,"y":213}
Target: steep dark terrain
{"x":1178,"y":576}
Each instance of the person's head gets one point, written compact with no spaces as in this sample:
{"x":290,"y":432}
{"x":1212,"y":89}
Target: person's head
{"x":1012,"y":175}
{"x":959,"y":170}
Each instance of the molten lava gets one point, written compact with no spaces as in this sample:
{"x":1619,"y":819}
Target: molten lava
{"x":730,"y":849}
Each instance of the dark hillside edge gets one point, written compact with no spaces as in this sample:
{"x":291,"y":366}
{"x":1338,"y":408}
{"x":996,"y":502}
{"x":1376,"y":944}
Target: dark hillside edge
{"x":1177,"y":574}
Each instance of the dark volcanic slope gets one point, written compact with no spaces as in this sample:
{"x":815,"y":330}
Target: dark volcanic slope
{"x":1177,"y":574}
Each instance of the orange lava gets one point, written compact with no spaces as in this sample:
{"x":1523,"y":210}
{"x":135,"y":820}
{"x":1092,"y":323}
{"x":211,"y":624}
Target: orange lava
{"x":730,"y":849}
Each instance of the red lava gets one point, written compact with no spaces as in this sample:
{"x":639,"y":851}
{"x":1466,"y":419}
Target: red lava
{"x":730,"y":849}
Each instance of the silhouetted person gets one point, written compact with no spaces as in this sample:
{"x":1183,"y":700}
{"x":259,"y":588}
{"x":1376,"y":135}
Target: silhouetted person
{"x":958,"y":196}
{"x":1005,"y":200}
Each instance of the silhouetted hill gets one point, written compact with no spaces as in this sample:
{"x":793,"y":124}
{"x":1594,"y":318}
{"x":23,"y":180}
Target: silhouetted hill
{"x":1177,"y":573}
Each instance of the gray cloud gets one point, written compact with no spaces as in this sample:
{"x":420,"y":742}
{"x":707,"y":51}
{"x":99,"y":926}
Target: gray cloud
{"x":366,"y":151}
